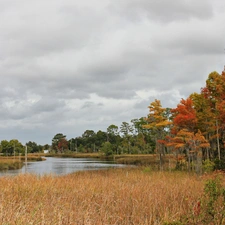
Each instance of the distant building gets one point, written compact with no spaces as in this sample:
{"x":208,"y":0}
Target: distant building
{"x":46,"y":151}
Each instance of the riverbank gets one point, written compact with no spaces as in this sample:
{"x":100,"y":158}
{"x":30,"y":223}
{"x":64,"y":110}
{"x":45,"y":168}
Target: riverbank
{"x":113,"y":196}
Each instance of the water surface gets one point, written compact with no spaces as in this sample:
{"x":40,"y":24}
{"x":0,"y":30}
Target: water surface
{"x":61,"y":166}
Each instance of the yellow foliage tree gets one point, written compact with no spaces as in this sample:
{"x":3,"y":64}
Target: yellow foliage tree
{"x":158,"y":123}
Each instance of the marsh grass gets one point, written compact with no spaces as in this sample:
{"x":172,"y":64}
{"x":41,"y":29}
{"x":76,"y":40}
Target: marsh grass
{"x":73,"y":155}
{"x":114,"y":196}
{"x":17,"y":162}
{"x":7,"y":164}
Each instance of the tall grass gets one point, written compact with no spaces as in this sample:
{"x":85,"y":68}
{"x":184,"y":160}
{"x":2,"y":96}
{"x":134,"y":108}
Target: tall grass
{"x":114,"y":196}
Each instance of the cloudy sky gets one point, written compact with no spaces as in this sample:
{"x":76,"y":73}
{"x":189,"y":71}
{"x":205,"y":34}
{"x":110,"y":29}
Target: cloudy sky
{"x":70,"y":65}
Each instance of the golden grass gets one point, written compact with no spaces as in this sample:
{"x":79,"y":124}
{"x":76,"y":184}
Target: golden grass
{"x":114,"y":196}
{"x":73,"y":155}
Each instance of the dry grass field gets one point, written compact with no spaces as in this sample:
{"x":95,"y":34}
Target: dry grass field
{"x":114,"y":196}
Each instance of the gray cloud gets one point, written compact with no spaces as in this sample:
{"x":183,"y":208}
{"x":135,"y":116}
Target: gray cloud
{"x":68,"y":66}
{"x":164,"y":11}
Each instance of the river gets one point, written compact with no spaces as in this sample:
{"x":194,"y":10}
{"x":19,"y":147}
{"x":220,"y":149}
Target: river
{"x":61,"y":166}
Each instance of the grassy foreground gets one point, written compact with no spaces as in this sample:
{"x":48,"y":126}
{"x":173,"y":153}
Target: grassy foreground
{"x":114,"y":196}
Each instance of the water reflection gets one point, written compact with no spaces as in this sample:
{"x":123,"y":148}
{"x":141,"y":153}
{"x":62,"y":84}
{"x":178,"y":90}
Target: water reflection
{"x":61,"y":166}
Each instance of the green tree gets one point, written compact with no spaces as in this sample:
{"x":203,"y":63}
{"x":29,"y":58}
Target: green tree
{"x":11,"y":147}
{"x":89,"y":140}
{"x":16,"y":146}
{"x":101,"y":137}
{"x":112,"y":131}
{"x":113,"y":137}
{"x":126,"y":129}
{"x":33,"y":147}
{"x":5,"y":148}
{"x":107,"y":148}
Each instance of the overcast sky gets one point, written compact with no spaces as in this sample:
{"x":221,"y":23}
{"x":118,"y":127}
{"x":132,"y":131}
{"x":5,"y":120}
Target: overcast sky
{"x":70,"y":65}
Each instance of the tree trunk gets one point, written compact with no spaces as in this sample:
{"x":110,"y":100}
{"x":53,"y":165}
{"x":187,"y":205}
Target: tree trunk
{"x":217,"y":139}
{"x":189,"y":159}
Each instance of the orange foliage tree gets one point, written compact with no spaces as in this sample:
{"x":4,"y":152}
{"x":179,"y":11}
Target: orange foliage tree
{"x":192,"y":143}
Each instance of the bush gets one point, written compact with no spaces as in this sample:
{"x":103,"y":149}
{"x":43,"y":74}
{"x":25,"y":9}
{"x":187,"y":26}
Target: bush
{"x":208,"y":166}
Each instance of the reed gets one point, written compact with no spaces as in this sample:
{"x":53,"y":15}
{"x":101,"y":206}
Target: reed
{"x":113,"y":196}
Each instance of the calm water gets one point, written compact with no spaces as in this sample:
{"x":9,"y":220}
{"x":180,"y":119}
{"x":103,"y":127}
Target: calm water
{"x":61,"y":166}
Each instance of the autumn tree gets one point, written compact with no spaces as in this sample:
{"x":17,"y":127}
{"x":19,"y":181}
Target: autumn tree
{"x":184,"y":116}
{"x":192,"y":143}
{"x":59,"y":142}
{"x":214,"y":93}
{"x":184,"y":121}
{"x":205,"y":120}
{"x":62,"y":144}
{"x":158,"y":123}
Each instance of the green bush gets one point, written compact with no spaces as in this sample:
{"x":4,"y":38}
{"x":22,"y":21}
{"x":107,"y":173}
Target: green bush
{"x":208,"y":166}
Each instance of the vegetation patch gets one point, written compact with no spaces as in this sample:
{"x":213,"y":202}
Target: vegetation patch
{"x":10,"y":164}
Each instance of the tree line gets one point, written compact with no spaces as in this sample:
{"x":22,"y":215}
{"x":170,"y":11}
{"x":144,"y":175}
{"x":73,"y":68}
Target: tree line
{"x":129,"y":138}
{"x":15,"y":147}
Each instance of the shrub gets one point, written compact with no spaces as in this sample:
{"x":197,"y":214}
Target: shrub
{"x":208,"y":166}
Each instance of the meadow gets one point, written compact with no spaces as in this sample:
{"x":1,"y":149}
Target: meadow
{"x":112,"y":196}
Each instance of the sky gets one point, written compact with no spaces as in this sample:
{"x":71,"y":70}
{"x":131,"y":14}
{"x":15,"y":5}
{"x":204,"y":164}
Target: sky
{"x":67,"y":66}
